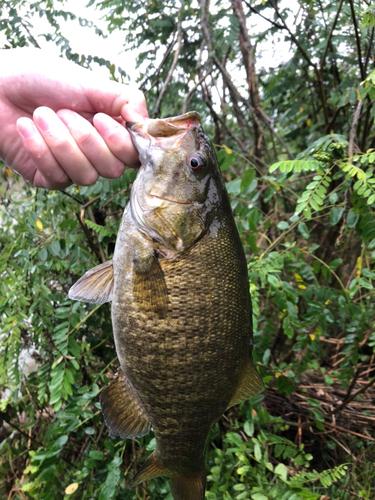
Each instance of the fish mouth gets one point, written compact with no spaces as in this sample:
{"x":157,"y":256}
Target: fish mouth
{"x":151,"y":195}
{"x":159,"y":131}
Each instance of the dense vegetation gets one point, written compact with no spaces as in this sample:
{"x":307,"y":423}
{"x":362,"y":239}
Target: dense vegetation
{"x":296,"y":145}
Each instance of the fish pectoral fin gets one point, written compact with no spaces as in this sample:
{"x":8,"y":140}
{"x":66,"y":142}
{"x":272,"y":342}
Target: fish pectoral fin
{"x":123,"y":413}
{"x":151,"y":469}
{"x":149,"y":285}
{"x":96,"y":286}
{"x":250,"y":385}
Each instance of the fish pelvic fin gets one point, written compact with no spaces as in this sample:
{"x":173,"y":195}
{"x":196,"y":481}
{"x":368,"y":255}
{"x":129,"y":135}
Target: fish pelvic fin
{"x":151,"y":469}
{"x":96,"y":286}
{"x":123,"y":413}
{"x":250,"y":385}
{"x":188,"y":487}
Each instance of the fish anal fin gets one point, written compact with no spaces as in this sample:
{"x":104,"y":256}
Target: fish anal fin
{"x":250,"y":385}
{"x":151,"y":469}
{"x":122,"y":411}
{"x":188,"y":487}
{"x":96,"y":286}
{"x":149,"y":285}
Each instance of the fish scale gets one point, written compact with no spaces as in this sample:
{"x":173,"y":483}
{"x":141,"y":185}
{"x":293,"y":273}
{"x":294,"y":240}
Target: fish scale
{"x":181,"y":308}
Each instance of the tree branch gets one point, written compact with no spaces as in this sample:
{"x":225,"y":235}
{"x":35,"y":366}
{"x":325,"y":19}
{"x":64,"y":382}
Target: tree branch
{"x":173,"y":67}
{"x":352,"y":128}
{"x":234,"y":92}
{"x":193,"y":89}
{"x":293,"y":37}
{"x":323,"y":58}
{"x":252,"y":81}
{"x":308,"y":60}
{"x":357,"y":40}
{"x":369,"y":49}
{"x":276,"y":25}
{"x":165,"y":57}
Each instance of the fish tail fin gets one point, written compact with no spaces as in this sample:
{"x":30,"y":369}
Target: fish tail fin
{"x":188,"y":487}
{"x":183,"y":486}
{"x":151,"y":469}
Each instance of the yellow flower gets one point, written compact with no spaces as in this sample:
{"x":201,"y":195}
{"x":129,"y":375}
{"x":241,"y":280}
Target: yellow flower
{"x":277,"y":374}
{"x":302,"y":287}
{"x":312,"y":336}
{"x":39,"y":225}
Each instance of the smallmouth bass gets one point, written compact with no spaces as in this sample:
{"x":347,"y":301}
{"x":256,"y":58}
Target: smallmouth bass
{"x":181,"y":308}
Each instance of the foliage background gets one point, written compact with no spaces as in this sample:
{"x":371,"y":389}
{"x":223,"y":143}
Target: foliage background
{"x":296,"y":143}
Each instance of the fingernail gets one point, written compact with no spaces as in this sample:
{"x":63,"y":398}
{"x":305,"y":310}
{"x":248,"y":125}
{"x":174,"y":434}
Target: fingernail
{"x":26,"y":128}
{"x":67,"y":117}
{"x":41,"y":122}
{"x":106,"y":125}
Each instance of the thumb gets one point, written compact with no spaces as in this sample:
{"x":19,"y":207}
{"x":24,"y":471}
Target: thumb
{"x":116,"y":99}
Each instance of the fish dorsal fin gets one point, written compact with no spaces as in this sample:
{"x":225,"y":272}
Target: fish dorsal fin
{"x":96,"y":286}
{"x":151,"y":469}
{"x":149,"y":286}
{"x":250,"y":385}
{"x":123,"y":413}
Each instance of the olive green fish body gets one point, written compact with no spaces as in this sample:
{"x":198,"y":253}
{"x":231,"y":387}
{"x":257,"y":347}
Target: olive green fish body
{"x":186,"y":366}
{"x":181,"y":308}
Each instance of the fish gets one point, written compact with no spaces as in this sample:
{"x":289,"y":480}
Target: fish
{"x":181,"y":307}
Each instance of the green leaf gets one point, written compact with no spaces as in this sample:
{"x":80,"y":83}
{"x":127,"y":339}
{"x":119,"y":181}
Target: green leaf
{"x":303,"y":229}
{"x":282,"y":225}
{"x":247,"y":178}
{"x":281,"y":471}
{"x":225,"y":160}
{"x":96,"y":455}
{"x":335,"y":215}
{"x":352,"y":219}
{"x":335,"y":263}
{"x":296,"y":165}
{"x":273,"y":281}
{"x":257,"y":451}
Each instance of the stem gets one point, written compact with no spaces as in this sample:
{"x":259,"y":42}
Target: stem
{"x":352,"y":128}
{"x":327,"y":266}
{"x":357,"y":40}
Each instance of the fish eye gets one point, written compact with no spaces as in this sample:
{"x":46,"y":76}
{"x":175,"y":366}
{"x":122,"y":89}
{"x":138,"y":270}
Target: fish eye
{"x":195,"y":162}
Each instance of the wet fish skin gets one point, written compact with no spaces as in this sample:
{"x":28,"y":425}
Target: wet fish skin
{"x":181,"y":308}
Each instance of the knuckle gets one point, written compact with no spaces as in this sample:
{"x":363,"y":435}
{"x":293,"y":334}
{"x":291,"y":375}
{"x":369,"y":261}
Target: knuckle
{"x":62,"y":148}
{"x":88,"y":178}
{"x":114,"y":171}
{"x":85,"y":139}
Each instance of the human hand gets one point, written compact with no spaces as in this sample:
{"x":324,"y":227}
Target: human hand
{"x":62,"y":124}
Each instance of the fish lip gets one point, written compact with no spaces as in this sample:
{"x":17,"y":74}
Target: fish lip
{"x":158,"y":129}
{"x":168,"y":200}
